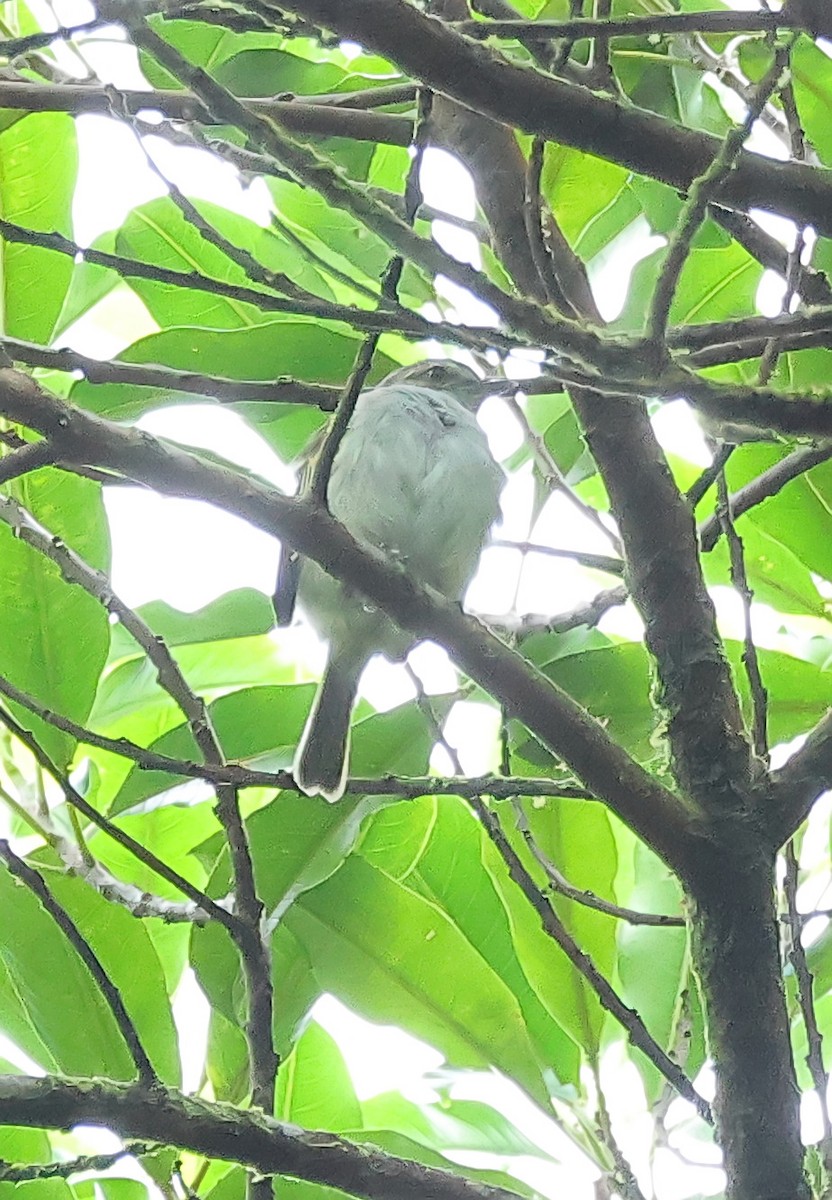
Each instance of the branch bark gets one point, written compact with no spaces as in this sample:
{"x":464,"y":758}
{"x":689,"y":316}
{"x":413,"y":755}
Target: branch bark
{"x":561,"y":724}
{"x":221,"y":1131}
{"x":736,"y":950}
{"x":300,"y":117}
{"x":483,"y":80}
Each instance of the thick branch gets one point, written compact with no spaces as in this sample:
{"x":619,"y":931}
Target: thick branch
{"x":737,"y":957}
{"x":797,"y":785}
{"x":705,"y":728}
{"x":319,"y":120}
{"x":221,"y":1131}
{"x":549,"y":713}
{"x":539,"y":104}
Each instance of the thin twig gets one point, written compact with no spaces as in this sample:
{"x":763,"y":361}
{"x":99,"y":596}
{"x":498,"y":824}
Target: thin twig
{"x":145,"y":856}
{"x":805,"y":994}
{"x":750,"y":658}
{"x":560,"y":884}
{"x":532,"y":219}
{"x":554,"y":476}
{"x":606,"y":994}
{"x":670,"y":24}
{"x":408,"y":787}
{"x":624,"y":1179}
{"x":701,"y":192}
{"x":25,"y":1172}
{"x":34,"y":882}
{"x":389,"y":292}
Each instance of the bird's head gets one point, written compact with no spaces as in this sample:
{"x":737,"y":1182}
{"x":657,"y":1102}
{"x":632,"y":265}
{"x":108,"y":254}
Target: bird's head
{"x":448,"y":376}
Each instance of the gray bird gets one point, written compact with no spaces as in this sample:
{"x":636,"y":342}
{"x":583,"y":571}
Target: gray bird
{"x":413,"y":478}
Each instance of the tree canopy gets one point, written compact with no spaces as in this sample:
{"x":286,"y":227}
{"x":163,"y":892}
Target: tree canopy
{"x":638,"y":890}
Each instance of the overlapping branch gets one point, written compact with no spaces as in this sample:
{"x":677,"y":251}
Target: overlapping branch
{"x":224,"y":1132}
{"x":551,"y":714}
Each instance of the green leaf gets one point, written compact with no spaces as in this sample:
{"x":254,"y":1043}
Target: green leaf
{"x":652,"y":962}
{"x":38,"y":165}
{"x":314,"y":1087}
{"x":611,"y":680}
{"x":590,"y":197}
{"x":217,"y":967}
{"x":272,"y":72}
{"x":562,"y":830}
{"x":798,"y":691}
{"x":452,"y":864}
{"x":227,"y":1059}
{"x":395,"y":957}
{"x":716,"y":283}
{"x":126,"y":950}
{"x":159,"y":233}
{"x":798,"y":516}
{"x":290,"y":347}
{"x":55,"y":635}
{"x":776,"y":576}
{"x":811,"y":72}
{"x":448,"y":1124}
{"x":201,"y":43}
{"x":242,"y":613}
{"x":19,"y":1146}
{"x":409,"y":1148}
{"x":73,"y":1021}
{"x":88,"y":285}
{"x":339,"y":237}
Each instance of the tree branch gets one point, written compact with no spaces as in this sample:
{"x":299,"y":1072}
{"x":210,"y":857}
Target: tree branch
{"x":551,"y":714}
{"x":34,"y":882}
{"x":224,"y":1132}
{"x":538,"y":104}
{"x":797,"y":785}
{"x":312,"y":120}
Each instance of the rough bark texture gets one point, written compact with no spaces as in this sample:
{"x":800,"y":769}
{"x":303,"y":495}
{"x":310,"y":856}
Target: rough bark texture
{"x":736,"y":956}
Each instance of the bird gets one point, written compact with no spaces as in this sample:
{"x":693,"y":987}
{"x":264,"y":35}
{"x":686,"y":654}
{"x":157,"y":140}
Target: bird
{"x":413,"y":477}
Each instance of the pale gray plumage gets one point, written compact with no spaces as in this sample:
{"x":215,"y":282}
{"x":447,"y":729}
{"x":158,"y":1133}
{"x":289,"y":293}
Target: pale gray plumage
{"x":413,"y":477}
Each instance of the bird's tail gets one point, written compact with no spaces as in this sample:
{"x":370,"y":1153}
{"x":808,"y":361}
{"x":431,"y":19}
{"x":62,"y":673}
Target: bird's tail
{"x":322,"y":756}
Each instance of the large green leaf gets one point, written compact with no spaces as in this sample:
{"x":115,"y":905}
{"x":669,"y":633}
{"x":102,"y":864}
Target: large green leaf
{"x":159,"y":233}
{"x":242,"y":613}
{"x":217,"y":967}
{"x":611,"y":680}
{"x":590,"y":197}
{"x":38,"y":165}
{"x":652,"y":961}
{"x":340,"y":238}
{"x":291,"y":347}
{"x":203,"y":44}
{"x":716,"y":283}
{"x":314,"y":1086}
{"x":449,"y":1124}
{"x":775,"y":574}
{"x":127,"y":952}
{"x":267,"y":721}
{"x":798,"y":516}
{"x":72,"y":1019}
{"x":55,"y":634}
{"x":451,"y":864}
{"x":395,"y":957}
